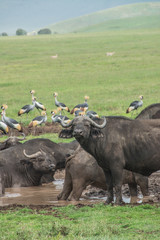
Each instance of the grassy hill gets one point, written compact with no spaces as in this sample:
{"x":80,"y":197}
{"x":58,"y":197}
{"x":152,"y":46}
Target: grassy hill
{"x":140,"y":15}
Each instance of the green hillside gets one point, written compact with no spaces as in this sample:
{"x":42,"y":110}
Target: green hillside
{"x":141,"y":15}
{"x":142,"y":22}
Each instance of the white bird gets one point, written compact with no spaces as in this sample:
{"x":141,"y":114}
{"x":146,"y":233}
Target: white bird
{"x":3,"y":126}
{"x":81,"y":106}
{"x":135,"y":105}
{"x":39,"y":120}
{"x":58,"y":118}
{"x":59,"y":104}
{"x":38,"y":105}
{"x":9,"y":121}
{"x":92,"y":114}
{"x":27,"y":108}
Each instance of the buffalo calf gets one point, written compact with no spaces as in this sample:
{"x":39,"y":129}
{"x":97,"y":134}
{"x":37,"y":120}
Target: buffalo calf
{"x":82,"y":170}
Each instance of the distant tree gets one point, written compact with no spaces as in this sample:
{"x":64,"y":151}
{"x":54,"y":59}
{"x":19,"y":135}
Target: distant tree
{"x":44,"y":31}
{"x":21,"y":31}
{"x":4,"y":34}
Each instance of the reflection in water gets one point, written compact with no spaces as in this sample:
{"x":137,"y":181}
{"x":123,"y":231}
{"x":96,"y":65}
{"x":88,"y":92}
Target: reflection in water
{"x":13,"y":195}
{"x":44,"y":195}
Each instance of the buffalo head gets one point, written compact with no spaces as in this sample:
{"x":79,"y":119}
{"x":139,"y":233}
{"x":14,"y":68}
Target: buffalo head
{"x":41,"y":161}
{"x":82,"y":127}
{"x":11,"y":141}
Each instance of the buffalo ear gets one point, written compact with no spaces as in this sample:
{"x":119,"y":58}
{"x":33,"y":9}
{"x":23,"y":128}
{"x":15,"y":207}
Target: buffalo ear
{"x":96,"y":133}
{"x":66,"y":133}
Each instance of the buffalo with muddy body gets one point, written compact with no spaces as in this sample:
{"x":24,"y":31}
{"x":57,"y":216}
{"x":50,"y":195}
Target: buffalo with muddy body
{"x":27,"y":172}
{"x":118,"y":143}
{"x":82,"y":170}
{"x":13,"y":162}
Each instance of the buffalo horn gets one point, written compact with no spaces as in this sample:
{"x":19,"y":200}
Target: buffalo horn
{"x":14,"y":138}
{"x":96,"y":124}
{"x":37,"y":154}
{"x":65,"y":125}
{"x":23,"y":138}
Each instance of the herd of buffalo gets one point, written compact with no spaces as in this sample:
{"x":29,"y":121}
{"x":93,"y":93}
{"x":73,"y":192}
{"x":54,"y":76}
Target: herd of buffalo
{"x":106,"y":153}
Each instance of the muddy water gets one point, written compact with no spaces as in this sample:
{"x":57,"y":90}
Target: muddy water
{"x":47,"y":194}
{"x":44,"y":195}
{"x":40,"y":195}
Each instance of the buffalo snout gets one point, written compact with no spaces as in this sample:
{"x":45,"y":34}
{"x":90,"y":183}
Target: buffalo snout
{"x":52,"y":166}
{"x":77,"y":132}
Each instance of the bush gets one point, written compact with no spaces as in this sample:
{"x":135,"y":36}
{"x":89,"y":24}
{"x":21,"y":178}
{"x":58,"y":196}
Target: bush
{"x":4,"y":34}
{"x":44,"y":31}
{"x":21,"y":31}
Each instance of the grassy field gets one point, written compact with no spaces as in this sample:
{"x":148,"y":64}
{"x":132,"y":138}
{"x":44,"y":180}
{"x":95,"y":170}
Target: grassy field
{"x":82,"y":68}
{"x":86,"y":223}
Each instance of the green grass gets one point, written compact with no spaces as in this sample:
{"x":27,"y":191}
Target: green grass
{"x":72,"y":222}
{"x":138,"y":22}
{"x":82,"y":68}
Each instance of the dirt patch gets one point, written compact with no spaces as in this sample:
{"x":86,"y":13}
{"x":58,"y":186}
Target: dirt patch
{"x":36,"y":131}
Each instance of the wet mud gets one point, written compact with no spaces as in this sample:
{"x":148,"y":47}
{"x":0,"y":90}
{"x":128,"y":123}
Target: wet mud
{"x":36,"y":131}
{"x":39,"y":195}
{"x":46,"y":195}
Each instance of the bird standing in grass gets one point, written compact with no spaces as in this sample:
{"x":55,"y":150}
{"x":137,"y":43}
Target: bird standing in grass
{"x":39,"y":120}
{"x":3,"y":127}
{"x":82,"y":106}
{"x":59,"y":104}
{"x":135,"y":105}
{"x":57,"y":118}
{"x":27,"y":108}
{"x":9,"y":121}
{"x":38,"y":105}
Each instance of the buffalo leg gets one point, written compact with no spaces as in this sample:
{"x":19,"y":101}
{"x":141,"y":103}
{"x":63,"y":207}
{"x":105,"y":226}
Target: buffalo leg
{"x":133,"y":192}
{"x":2,"y":189}
{"x":78,"y":187}
{"x":117,"y":178}
{"x":109,"y":184}
{"x":67,"y":187}
{"x":142,"y":181}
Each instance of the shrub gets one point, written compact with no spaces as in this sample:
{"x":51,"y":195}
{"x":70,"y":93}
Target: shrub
{"x":21,"y":31}
{"x":4,"y":34}
{"x":44,"y":31}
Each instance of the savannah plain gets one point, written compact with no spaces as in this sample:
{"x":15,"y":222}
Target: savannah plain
{"x":112,"y":83}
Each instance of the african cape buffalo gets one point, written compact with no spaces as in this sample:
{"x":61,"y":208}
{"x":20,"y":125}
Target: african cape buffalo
{"x":66,"y":149}
{"x":15,"y":152}
{"x":82,"y":170}
{"x":10,"y":142}
{"x":118,"y":143}
{"x":150,"y":112}
{"x":27,"y":172}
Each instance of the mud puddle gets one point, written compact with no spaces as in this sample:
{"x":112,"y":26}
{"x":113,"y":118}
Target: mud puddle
{"x":40,"y":195}
{"x":45,"y":195}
